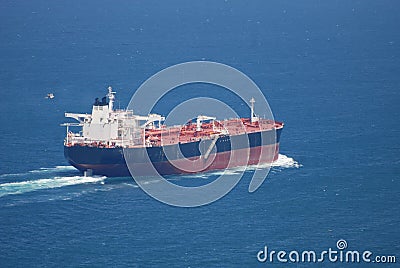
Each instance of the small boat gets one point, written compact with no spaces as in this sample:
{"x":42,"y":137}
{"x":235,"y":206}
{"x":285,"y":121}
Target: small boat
{"x":50,"y":96}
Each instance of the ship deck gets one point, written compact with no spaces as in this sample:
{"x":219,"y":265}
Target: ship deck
{"x":186,"y":133}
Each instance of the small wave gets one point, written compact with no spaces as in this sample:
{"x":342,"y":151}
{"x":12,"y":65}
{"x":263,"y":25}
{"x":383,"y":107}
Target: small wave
{"x":41,"y":170}
{"x":41,"y":184}
{"x":53,"y":169}
{"x":11,"y":175}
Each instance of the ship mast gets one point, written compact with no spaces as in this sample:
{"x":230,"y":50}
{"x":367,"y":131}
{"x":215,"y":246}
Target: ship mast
{"x":111,"y":97}
{"x":254,"y":118}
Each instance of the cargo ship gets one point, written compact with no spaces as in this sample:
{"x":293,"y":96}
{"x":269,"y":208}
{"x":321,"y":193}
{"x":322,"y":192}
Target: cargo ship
{"x":115,"y":142}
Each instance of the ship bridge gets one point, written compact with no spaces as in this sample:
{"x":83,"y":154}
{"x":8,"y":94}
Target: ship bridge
{"x":110,"y":127}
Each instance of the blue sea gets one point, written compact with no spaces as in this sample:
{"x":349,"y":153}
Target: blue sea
{"x":329,"y":69}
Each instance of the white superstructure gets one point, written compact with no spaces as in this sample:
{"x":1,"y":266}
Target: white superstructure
{"x":110,"y":127}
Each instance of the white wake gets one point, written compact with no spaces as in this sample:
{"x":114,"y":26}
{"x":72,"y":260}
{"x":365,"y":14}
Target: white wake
{"x":285,"y":162}
{"x":40,"y":184}
{"x":54,"y":177}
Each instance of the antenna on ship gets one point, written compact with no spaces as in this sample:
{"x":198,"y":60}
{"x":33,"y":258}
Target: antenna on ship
{"x":254,"y":118}
{"x":111,"y":97}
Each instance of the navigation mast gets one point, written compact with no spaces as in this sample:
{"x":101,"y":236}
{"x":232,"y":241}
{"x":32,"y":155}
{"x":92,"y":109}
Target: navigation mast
{"x":111,"y":97}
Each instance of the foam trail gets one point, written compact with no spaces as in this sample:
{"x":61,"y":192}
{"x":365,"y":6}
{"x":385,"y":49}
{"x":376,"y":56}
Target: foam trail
{"x":40,"y":184}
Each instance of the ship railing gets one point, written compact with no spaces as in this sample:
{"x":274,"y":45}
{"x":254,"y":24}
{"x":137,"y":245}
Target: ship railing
{"x":75,"y":140}
{"x":72,"y":125}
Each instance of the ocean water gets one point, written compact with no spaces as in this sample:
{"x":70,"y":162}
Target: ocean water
{"x":329,"y":69}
